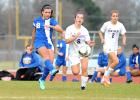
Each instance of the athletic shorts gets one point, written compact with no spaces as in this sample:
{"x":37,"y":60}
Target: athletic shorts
{"x":60,"y":62}
{"x":108,"y":49}
{"x":41,"y":43}
{"x":121,"y":71}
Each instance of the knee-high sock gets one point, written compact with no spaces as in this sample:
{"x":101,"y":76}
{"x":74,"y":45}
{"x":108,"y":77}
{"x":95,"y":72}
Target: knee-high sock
{"x":94,"y":76}
{"x":49,"y":65}
{"x":84,"y":80}
{"x":45,"y":73}
{"x":128,"y":75}
{"x":108,"y":71}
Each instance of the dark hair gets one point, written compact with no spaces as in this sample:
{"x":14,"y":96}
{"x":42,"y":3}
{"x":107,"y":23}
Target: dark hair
{"x":47,"y":6}
{"x":135,"y":46}
{"x":80,"y":11}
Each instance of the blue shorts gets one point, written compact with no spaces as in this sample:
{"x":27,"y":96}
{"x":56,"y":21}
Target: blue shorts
{"x":40,"y":43}
{"x":60,"y":62}
{"x":121,"y":71}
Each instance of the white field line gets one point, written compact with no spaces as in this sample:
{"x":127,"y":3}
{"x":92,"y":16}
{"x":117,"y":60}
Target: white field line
{"x":66,"y":97}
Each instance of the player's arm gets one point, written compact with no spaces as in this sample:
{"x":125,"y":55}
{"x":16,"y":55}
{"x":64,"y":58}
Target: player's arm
{"x":33,"y":37}
{"x":101,"y":36}
{"x":123,"y":40}
{"x":72,"y":38}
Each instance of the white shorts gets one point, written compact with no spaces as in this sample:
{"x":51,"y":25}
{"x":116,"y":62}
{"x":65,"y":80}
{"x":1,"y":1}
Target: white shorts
{"x":74,"y":60}
{"x":107,"y":49}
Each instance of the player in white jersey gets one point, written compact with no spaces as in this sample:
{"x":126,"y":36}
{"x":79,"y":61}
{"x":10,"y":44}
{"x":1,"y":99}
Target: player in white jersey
{"x":77,"y":35}
{"x":111,"y":31}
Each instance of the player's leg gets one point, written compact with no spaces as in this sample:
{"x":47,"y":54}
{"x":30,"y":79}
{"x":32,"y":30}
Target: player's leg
{"x":135,"y":72}
{"x":75,"y":67}
{"x":20,"y":73}
{"x":43,"y":51}
{"x":84,"y":76}
{"x":64,"y":73}
{"x":113,"y":61}
{"x":97,"y":73}
{"x":58,"y":64}
{"x":128,"y":74}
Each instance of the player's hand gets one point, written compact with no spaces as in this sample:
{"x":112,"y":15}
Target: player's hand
{"x":91,"y":43}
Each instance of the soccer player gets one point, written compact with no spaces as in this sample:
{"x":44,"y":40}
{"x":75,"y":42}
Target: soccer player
{"x":43,"y":27}
{"x":134,"y":64}
{"x":61,"y":59}
{"x":102,"y":65}
{"x":111,"y":30}
{"x":120,"y":69}
{"x":29,"y":65}
{"x":76,"y":35}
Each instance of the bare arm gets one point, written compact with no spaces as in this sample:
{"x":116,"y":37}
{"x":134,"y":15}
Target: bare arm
{"x":33,"y":37}
{"x":71,"y":39}
{"x":101,"y":37}
{"x":123,"y":40}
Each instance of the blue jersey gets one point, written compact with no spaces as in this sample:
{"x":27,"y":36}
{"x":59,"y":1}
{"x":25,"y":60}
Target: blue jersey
{"x":30,"y":60}
{"x":122,"y":62}
{"x":134,"y":59}
{"x":61,"y":45}
{"x":102,"y":59}
{"x":43,"y":33}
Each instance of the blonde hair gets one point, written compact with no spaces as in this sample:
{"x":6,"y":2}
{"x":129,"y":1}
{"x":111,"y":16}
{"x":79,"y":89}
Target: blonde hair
{"x":114,"y":11}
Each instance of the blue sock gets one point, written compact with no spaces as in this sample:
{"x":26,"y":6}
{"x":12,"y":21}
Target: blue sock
{"x":128,"y":75}
{"x":49,"y":65}
{"x":64,"y":78}
{"x":110,"y":80}
{"x":52,"y":77}
{"x":94,"y":76}
{"x":98,"y":79}
{"x":45,"y":73}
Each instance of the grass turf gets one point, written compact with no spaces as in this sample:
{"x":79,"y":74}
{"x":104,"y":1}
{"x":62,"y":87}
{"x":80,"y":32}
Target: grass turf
{"x":27,"y":90}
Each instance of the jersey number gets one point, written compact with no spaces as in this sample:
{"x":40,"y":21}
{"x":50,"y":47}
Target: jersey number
{"x":78,"y":41}
{"x":38,"y":25}
{"x":113,"y":34}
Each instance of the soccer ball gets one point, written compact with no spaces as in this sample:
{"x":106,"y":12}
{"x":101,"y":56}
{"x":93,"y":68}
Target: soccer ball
{"x":85,"y":50}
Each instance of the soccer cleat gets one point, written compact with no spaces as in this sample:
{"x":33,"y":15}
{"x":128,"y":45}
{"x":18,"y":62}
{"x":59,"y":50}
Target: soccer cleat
{"x":83,"y":88}
{"x":42,"y":84}
{"x":105,"y":81}
{"x":129,"y":81}
{"x":54,"y":72}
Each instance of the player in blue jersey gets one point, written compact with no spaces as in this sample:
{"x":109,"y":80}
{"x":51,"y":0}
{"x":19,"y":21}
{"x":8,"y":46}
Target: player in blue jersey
{"x":43,"y":27}
{"x":102,"y":64}
{"x":61,"y":59}
{"x":134,"y":64}
{"x":120,"y":69}
{"x":29,"y":64}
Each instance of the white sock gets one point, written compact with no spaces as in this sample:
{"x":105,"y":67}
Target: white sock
{"x":84,"y":80}
{"x":108,"y":71}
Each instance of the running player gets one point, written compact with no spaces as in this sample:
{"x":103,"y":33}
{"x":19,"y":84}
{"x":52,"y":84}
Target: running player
{"x":43,"y":27}
{"x":76,"y":35}
{"x":61,"y":59}
{"x":111,"y":30}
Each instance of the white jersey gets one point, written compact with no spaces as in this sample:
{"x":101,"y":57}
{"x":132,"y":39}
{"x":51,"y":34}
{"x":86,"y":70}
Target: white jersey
{"x":111,"y":33}
{"x":84,"y":36}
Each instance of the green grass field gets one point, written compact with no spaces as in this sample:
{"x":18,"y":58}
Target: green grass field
{"x":27,"y":90}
